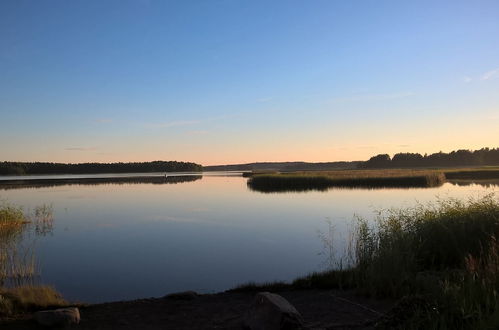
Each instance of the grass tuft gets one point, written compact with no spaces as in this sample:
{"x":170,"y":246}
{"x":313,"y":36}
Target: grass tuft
{"x":29,"y":298}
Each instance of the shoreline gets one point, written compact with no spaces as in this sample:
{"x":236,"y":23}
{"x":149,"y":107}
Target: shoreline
{"x":321,"y":309}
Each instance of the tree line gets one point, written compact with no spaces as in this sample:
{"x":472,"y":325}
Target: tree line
{"x":27,"y":168}
{"x":482,"y":157}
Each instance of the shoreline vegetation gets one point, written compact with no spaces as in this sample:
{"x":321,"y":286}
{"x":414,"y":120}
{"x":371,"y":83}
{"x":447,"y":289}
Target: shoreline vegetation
{"x":269,"y":182}
{"x":460,"y":158}
{"x":439,"y":261}
{"x":18,"y":267}
{"x":42,"y":168}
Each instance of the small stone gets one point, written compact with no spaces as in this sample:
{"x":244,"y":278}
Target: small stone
{"x":185,"y":295}
{"x":58,"y":317}
{"x":270,"y":311}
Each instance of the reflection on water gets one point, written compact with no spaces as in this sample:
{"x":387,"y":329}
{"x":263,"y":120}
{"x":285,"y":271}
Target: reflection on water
{"x":112,"y":242}
{"x":488,"y":183}
{"x":280,"y":190}
{"x":39,"y":183}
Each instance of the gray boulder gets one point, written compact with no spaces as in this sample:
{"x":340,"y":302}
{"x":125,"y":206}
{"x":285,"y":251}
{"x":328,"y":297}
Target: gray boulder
{"x":270,"y":311}
{"x":58,"y":317}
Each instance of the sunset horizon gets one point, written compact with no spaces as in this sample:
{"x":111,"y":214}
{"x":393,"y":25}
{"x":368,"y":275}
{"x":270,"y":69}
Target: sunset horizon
{"x":324,"y":81}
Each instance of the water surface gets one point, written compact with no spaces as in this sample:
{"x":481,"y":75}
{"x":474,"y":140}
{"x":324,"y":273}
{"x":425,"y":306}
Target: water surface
{"x":133,"y":240}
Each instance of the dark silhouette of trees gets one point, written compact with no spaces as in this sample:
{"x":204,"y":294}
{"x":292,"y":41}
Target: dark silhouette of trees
{"x":406,"y":159}
{"x":482,"y":157}
{"x":21,"y":168}
{"x":379,"y":161}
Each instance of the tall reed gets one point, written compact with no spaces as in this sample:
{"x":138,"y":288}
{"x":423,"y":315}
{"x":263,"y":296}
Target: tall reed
{"x":18,"y":232}
{"x":445,"y":252}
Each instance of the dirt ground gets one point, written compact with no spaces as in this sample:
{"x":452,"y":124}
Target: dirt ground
{"x":320,"y":310}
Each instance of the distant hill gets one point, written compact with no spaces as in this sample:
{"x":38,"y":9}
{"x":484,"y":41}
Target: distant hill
{"x":285,"y":166}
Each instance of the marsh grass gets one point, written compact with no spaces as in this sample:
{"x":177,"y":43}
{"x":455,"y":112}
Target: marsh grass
{"x":12,"y":221}
{"x":28,"y":298}
{"x":440,"y":260}
{"x":303,"y":181}
{"x":16,"y":263}
{"x":18,"y":266}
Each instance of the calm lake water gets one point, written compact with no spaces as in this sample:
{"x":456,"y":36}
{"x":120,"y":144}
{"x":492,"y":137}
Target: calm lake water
{"x":134,"y":240}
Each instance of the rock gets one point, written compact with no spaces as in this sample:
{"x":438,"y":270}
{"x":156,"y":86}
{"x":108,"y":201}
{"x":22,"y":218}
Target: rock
{"x":185,"y":295}
{"x":58,"y":317}
{"x":270,"y":311}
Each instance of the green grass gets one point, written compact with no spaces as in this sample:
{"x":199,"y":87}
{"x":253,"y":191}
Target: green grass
{"x":441,"y":260}
{"x":303,"y":181}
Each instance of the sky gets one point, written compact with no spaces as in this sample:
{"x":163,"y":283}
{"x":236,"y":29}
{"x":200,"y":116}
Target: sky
{"x":225,"y":82}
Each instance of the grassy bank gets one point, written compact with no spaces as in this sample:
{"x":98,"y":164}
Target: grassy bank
{"x":17,"y":263}
{"x":440,"y":260}
{"x":303,"y":181}
{"x":24,"y":299}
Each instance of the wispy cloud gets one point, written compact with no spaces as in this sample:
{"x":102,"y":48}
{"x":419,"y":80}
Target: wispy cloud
{"x":490,"y":75}
{"x":80,"y":148}
{"x":173,"y":124}
{"x":466,"y":79}
{"x":373,"y":97}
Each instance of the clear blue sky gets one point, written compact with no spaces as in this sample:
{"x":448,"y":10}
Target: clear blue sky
{"x":242,"y":81}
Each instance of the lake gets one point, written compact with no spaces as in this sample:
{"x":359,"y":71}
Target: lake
{"x":146,"y":239}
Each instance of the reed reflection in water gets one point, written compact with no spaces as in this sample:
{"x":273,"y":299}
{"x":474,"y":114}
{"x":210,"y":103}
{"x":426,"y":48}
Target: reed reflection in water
{"x":18,"y":235}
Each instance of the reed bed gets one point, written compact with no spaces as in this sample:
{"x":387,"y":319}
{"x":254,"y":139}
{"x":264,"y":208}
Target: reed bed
{"x":12,"y":221}
{"x":445,"y":256}
{"x":303,"y":181}
{"x":13,"y":262}
{"x":18,"y":267}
